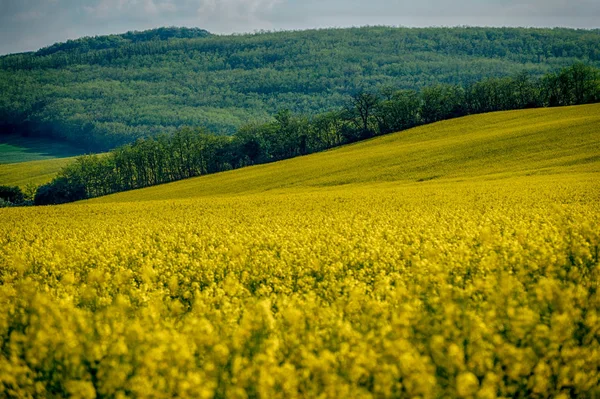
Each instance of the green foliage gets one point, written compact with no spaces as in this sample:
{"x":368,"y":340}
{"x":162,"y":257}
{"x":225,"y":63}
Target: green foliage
{"x":29,"y":192}
{"x":398,"y":110}
{"x":187,"y":153}
{"x":87,"y":44}
{"x":108,"y":91}
{"x":579,"y":84}
{"x":61,"y":190}
{"x":13,"y":194}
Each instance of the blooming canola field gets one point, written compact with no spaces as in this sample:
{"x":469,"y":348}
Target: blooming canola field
{"x":471,"y":272}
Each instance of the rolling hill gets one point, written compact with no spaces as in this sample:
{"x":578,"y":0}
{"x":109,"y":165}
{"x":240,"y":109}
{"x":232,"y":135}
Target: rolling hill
{"x":105,"y":91}
{"x":513,"y":144}
{"x":496,"y":145}
{"x":34,"y":172}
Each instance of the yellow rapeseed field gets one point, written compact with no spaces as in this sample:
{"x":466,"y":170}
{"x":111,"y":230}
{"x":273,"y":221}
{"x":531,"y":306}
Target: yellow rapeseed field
{"x":475,"y":275}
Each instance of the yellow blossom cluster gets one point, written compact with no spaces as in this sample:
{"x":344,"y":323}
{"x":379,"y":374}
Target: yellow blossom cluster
{"x":463,"y":290}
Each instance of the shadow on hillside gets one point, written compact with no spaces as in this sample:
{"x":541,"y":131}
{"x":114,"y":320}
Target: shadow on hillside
{"x":15,"y":148}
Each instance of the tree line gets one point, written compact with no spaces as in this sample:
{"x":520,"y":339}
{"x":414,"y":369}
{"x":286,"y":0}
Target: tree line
{"x":194,"y":152}
{"x":103,"y":92}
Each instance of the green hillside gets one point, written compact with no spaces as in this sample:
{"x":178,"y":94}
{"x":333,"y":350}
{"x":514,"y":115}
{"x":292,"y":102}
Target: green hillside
{"x":34,"y":172}
{"x":16,"y":148}
{"x":107,"y":91}
{"x":491,"y":146}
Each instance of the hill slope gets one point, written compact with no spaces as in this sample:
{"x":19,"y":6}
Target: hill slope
{"x":110,"y":90}
{"x":15,"y":148}
{"x":490,"y":146}
{"x":34,"y":172}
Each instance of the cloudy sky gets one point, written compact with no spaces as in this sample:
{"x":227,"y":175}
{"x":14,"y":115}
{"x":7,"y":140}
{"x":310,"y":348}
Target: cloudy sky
{"x":31,"y":24}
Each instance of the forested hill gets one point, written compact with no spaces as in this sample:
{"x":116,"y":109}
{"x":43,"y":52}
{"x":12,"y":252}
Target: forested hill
{"x":81,"y":46}
{"x":106,"y":91}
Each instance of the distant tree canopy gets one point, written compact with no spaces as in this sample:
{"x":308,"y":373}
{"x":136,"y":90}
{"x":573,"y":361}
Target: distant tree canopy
{"x":103,"y":92}
{"x":193,"y":152}
{"x":87,"y":44}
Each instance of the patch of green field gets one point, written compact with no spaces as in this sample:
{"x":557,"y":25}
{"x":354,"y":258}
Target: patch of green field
{"x":34,"y":172}
{"x":548,"y":141}
{"x":16,"y":148}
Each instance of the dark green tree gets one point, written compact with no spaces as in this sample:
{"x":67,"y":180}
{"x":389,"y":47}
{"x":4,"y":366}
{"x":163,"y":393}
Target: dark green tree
{"x":12,"y":194}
